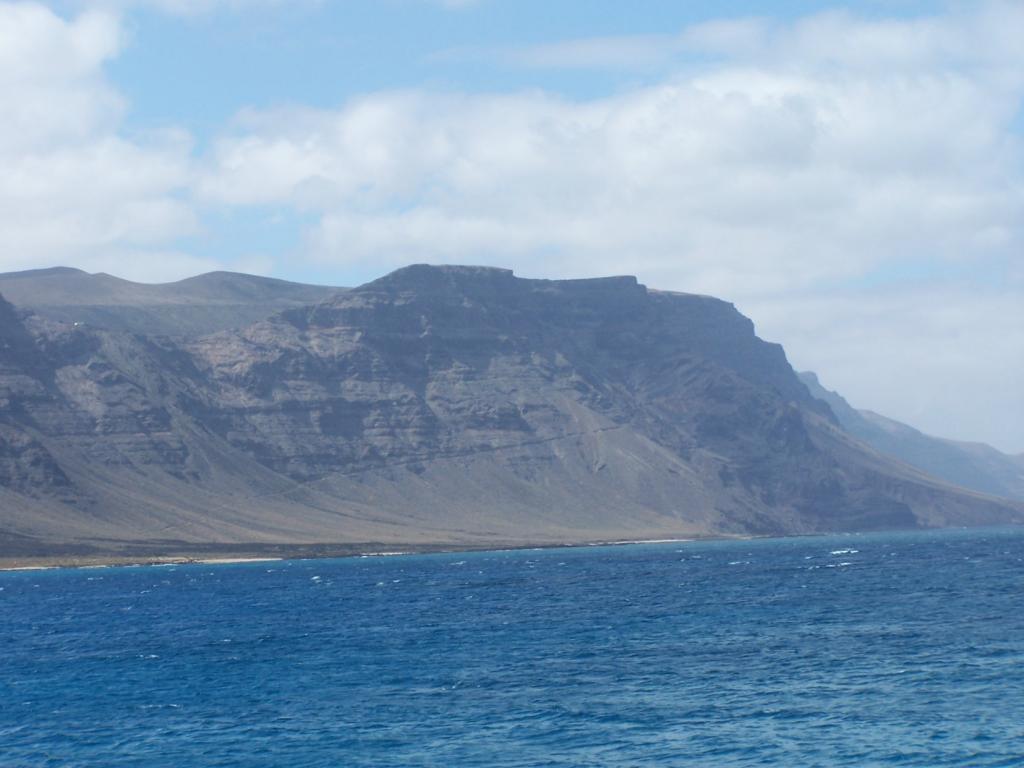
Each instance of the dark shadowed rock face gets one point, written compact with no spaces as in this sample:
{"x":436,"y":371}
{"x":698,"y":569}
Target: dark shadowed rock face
{"x":432,"y":362}
{"x":441,"y":404}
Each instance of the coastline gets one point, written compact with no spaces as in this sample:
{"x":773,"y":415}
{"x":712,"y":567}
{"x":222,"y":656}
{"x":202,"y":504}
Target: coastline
{"x":228,"y":554}
{"x":243,"y":554}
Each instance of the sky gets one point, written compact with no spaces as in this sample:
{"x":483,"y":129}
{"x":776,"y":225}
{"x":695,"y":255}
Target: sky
{"x":851,"y":177}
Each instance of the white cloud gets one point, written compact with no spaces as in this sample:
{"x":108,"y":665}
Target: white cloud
{"x":736,"y":181}
{"x":986,"y":32}
{"x":809,"y":157}
{"x":945,"y":358}
{"x":798,"y":167}
{"x":73,"y":189}
{"x":51,"y":88}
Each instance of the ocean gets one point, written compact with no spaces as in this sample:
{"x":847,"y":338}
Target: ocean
{"x":862,"y":650}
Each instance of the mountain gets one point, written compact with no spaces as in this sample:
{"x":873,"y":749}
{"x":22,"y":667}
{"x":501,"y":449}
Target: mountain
{"x":971,"y":465}
{"x":437,"y":405}
{"x":212,"y":302}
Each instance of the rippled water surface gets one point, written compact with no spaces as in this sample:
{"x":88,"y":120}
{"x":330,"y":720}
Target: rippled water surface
{"x":896,"y":649}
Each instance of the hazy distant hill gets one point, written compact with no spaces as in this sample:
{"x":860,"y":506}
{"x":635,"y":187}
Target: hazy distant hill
{"x":437,"y":404}
{"x":212,"y":302}
{"x":972,"y":465}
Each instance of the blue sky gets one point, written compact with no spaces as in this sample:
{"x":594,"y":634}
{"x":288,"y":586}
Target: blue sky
{"x":200,"y":68}
{"x":851,"y":176}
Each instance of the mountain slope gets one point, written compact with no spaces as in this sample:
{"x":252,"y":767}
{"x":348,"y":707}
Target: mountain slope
{"x":450,"y":405}
{"x":197,"y":305}
{"x":971,"y":465}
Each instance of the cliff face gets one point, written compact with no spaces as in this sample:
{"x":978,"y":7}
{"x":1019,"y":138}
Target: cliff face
{"x":431,"y":363}
{"x":454,"y":404}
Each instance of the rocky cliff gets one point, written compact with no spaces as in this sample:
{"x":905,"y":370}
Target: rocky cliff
{"x":449,"y":405}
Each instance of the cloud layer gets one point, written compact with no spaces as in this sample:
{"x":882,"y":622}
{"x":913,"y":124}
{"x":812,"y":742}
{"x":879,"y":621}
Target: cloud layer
{"x":73,"y":188}
{"x":855,"y":186}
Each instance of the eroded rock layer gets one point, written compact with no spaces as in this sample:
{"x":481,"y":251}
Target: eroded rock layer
{"x":443,"y":405}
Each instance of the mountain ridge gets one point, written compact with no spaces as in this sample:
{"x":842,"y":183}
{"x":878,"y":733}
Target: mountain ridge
{"x":442,"y":406}
{"x":972,"y":465}
{"x":194,"y":306}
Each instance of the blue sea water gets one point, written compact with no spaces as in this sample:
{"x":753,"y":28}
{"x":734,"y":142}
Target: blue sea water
{"x":870,"y":650}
